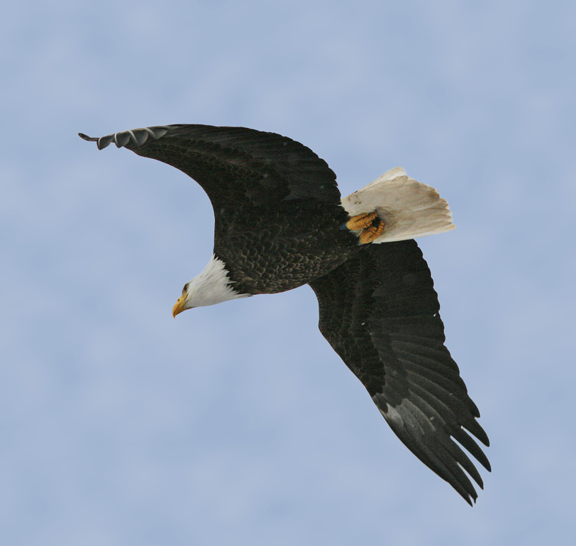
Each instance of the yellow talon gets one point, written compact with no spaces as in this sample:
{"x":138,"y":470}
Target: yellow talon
{"x":361,"y":221}
{"x":370,"y":224}
{"x":369,"y":234}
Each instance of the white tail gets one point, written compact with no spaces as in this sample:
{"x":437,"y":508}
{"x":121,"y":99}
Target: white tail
{"x":408,"y":208}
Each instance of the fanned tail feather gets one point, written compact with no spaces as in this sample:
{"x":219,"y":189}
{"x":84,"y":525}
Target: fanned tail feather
{"x":408,"y":208}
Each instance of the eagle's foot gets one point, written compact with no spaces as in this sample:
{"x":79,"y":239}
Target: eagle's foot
{"x":370,"y":224}
{"x":370,"y":233}
{"x":361,"y":221}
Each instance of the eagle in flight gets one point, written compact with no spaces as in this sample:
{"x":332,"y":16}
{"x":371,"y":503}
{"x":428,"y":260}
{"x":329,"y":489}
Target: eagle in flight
{"x":280,"y":223}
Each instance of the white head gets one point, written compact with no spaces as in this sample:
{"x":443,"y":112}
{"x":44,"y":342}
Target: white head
{"x":212,"y":286}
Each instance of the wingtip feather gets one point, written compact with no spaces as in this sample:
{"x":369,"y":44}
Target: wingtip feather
{"x":135,"y":137}
{"x":86,"y":137}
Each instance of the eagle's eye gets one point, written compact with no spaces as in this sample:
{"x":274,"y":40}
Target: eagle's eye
{"x":185,"y":288}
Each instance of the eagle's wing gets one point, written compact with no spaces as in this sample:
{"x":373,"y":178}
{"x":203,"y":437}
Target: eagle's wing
{"x":379,"y":311}
{"x":235,"y":166}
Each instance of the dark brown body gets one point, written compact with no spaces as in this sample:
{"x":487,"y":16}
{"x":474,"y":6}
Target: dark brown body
{"x":285,"y":248}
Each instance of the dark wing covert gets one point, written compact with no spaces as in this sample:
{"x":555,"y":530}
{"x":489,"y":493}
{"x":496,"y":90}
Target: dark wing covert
{"x":380,"y":313}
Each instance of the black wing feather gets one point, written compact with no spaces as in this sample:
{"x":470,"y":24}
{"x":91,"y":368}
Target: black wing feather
{"x":235,"y":165}
{"x":380,"y":313}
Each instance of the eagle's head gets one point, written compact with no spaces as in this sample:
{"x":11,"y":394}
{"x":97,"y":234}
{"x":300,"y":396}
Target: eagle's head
{"x":210,"y":287}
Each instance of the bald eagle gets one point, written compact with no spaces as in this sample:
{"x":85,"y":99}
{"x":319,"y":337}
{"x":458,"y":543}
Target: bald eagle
{"x":280,"y":223}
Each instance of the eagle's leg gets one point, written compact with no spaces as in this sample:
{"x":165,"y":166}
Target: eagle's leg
{"x":361,"y":220}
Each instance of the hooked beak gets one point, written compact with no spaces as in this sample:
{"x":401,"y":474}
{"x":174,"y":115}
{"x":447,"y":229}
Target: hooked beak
{"x":179,"y":306}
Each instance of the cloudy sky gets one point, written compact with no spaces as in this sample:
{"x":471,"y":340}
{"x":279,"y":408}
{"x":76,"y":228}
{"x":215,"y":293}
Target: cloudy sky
{"x":237,"y":424}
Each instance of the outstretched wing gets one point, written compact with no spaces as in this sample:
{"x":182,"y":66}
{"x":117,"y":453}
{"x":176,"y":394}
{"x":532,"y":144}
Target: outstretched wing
{"x":276,"y":204}
{"x":379,"y":311}
{"x":235,"y":166}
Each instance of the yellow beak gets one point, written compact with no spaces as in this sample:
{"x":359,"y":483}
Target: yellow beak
{"x":178,"y":306}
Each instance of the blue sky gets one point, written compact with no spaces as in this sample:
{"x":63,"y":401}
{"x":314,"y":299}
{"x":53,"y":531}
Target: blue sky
{"x":237,"y":424}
